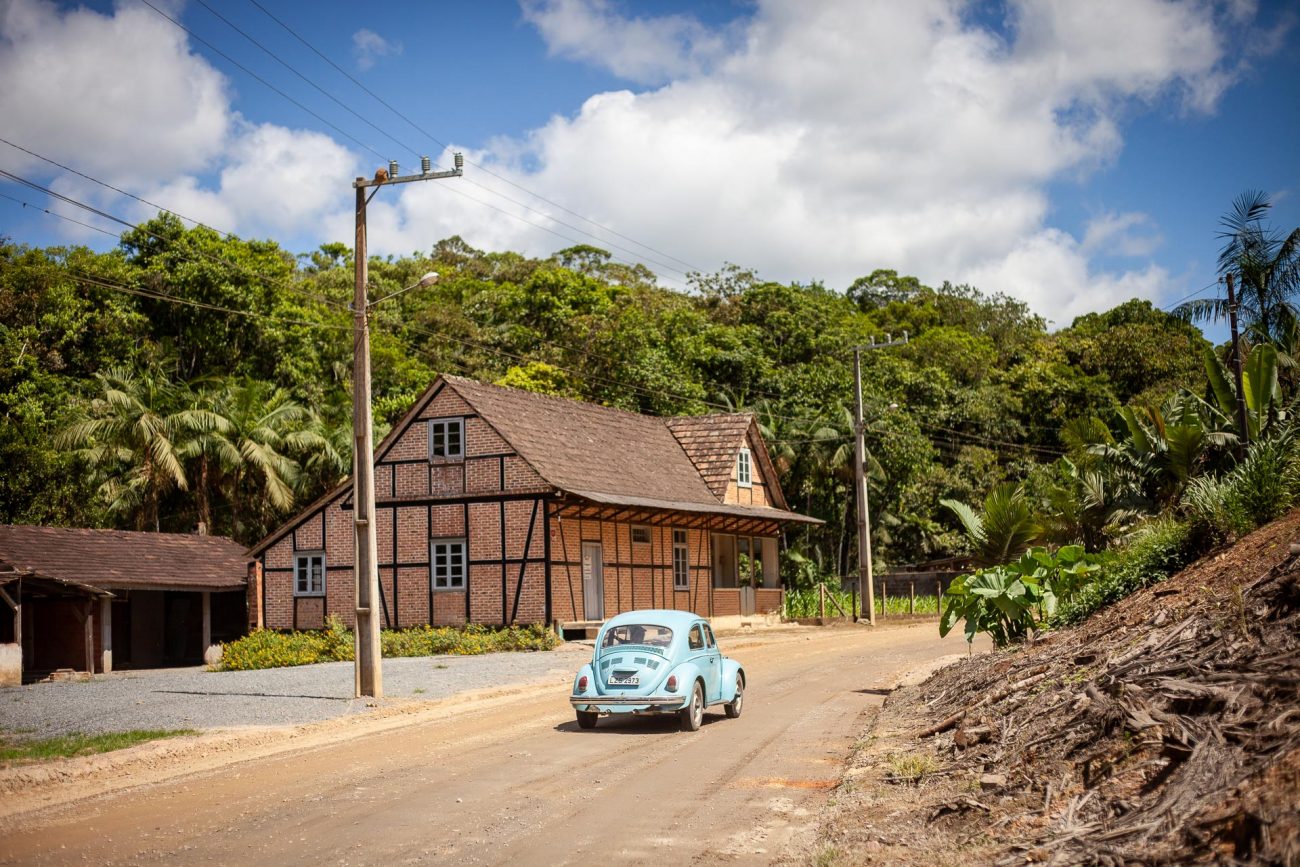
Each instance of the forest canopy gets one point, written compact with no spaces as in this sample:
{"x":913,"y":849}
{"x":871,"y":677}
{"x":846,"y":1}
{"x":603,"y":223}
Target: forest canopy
{"x":187,"y":377}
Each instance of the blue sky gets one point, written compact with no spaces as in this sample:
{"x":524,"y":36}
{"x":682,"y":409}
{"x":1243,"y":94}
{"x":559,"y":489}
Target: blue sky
{"x":1073,"y":155}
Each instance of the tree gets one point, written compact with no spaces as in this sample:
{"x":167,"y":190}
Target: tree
{"x":259,"y":427}
{"x":133,"y":435}
{"x":1266,"y":263}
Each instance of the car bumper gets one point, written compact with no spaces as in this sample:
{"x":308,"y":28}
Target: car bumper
{"x":600,"y":702}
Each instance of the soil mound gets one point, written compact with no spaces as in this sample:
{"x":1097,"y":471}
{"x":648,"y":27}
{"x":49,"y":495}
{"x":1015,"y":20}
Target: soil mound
{"x":1164,"y":730}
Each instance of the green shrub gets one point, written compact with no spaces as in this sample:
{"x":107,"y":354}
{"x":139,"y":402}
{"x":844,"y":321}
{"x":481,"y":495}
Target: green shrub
{"x":1152,"y":554}
{"x":1010,"y":600}
{"x":267,"y":648}
{"x":1260,"y":489}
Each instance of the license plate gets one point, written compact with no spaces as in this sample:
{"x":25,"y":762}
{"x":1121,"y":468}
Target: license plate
{"x":624,"y":680}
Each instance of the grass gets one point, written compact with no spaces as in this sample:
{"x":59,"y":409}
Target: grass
{"x":17,"y":749}
{"x":807,"y":603}
{"x":912,"y":768}
{"x":827,"y":856}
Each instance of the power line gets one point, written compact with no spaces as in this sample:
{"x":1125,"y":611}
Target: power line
{"x":322,"y":90}
{"x":481,"y":168}
{"x":268,"y":84}
{"x":176,"y":299}
{"x":168,"y":241}
{"x":50,"y":213}
{"x":413,"y":151}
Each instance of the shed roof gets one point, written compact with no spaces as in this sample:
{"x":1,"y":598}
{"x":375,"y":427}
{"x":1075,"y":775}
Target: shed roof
{"x":121,"y":559}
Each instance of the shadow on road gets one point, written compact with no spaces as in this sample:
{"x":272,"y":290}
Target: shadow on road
{"x":251,"y":694}
{"x":646,"y":725}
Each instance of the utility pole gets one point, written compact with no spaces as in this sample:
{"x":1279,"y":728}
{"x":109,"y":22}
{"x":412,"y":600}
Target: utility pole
{"x":1244,"y":442}
{"x":369,"y":674}
{"x":865,"y":577}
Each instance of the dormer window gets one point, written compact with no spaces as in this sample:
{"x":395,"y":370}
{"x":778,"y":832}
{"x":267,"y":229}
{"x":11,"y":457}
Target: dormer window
{"x":744,"y":473}
{"x":446,"y":439}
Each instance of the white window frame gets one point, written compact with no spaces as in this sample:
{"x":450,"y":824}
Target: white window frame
{"x":744,"y":469}
{"x":308,"y":556}
{"x":455,"y":582}
{"x":641,"y":528}
{"x":459,"y":454}
{"x":681,"y":561}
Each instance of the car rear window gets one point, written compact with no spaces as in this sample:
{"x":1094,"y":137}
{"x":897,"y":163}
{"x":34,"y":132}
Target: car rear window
{"x":637,"y":633}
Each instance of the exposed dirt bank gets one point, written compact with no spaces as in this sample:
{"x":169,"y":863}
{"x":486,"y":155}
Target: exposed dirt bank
{"x":1165,"y":730}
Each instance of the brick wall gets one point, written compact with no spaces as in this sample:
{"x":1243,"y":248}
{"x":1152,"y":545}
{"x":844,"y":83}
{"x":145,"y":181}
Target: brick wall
{"x":636,"y":574}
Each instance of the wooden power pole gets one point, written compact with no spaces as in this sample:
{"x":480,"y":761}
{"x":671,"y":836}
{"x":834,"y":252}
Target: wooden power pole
{"x":369,"y":673}
{"x":865,"y":577}
{"x":1236,"y":366}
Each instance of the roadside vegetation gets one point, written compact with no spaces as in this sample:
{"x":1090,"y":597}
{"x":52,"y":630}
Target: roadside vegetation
{"x":266,"y":648}
{"x":17,"y":748}
{"x":1158,"y":483}
{"x":188,"y":378}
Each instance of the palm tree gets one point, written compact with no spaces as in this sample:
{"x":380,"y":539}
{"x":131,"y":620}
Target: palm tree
{"x":259,"y":427}
{"x":133,"y":435}
{"x":1165,"y":447}
{"x":1003,"y":529}
{"x":1265,"y":262}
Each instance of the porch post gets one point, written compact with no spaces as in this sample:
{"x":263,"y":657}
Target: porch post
{"x":106,"y":634}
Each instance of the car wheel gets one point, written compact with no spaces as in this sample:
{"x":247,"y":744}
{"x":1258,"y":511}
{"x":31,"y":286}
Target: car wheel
{"x":734,"y":706}
{"x":587,"y":719}
{"x":693,"y":713}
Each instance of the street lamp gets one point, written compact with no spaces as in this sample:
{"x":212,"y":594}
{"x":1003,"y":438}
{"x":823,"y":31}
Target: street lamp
{"x":369,"y":674}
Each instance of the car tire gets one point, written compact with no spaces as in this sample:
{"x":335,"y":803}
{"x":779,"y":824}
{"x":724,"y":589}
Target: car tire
{"x":734,"y":707}
{"x":693,"y":713}
{"x":587,"y":719}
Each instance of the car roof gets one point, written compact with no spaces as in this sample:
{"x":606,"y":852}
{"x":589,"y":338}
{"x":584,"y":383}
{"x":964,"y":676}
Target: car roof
{"x":659,"y":616}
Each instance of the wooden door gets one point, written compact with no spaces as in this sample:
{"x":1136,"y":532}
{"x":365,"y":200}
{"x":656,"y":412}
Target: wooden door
{"x":593,"y":581}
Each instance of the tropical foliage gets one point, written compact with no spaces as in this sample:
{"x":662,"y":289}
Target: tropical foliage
{"x":189,"y":378}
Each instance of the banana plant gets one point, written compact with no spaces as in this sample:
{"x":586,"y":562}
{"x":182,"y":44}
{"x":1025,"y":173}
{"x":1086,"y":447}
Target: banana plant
{"x":1260,"y":386}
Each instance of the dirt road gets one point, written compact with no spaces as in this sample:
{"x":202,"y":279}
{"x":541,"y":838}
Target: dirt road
{"x":519,"y":783}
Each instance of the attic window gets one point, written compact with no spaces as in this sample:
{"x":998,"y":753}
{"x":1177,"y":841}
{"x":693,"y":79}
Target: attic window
{"x":744,"y":476}
{"x":446,"y":439}
{"x":641,"y":535}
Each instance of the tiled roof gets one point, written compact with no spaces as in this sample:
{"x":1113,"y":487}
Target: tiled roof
{"x":618,"y":457}
{"x":119,"y":559}
{"x":582,"y":446}
{"x":711,"y":442}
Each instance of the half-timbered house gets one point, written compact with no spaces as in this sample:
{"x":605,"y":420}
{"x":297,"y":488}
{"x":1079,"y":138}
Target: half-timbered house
{"x":500,"y":506}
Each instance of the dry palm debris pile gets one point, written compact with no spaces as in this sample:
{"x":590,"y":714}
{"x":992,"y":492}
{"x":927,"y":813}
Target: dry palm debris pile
{"x":1165,"y":730}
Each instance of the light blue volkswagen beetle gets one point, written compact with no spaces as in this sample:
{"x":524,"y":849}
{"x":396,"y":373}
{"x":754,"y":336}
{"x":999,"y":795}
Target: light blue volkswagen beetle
{"x":657,"y":662}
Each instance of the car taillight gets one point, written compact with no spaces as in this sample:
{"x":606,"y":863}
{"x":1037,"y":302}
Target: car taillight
{"x":672,"y":683}
{"x":582,"y":683}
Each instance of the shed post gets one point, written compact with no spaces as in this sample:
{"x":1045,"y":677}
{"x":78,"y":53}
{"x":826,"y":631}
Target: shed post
{"x":90,"y":635}
{"x":106,"y":634}
{"x":207,"y":620}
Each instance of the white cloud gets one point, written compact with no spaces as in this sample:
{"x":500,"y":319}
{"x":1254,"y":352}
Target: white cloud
{"x":1130,"y":234}
{"x":806,"y":140}
{"x":117,"y":95}
{"x":640,"y":49}
{"x":368,"y":47}
{"x":836,"y":137}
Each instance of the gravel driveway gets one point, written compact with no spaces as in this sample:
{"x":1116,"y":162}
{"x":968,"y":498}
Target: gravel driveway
{"x":195,"y":698}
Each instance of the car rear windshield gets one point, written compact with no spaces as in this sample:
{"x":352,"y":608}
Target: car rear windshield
{"x":637,"y":633}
